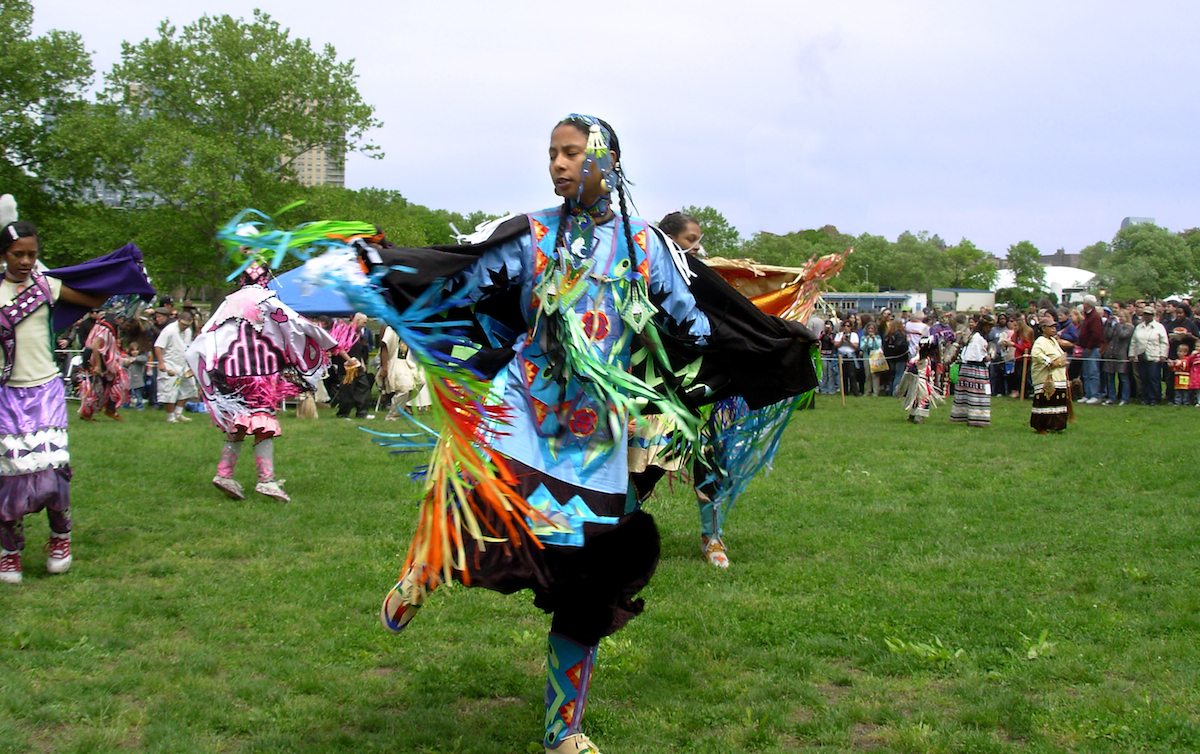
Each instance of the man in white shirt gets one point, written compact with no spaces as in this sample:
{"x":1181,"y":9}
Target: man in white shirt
{"x":1149,"y":349}
{"x":175,"y":382}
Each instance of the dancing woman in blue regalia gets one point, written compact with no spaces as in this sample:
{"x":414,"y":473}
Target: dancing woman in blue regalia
{"x":575,"y":299}
{"x":588,"y":317}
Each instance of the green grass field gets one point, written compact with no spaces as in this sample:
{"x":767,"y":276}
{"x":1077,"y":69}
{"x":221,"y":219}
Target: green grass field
{"x":894,"y":588}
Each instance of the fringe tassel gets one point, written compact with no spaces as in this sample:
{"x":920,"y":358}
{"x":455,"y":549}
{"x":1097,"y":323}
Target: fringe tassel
{"x":466,"y":484}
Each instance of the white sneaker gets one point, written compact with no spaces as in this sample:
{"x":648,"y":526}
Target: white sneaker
{"x":10,"y":567}
{"x":171,"y":419}
{"x":184,"y":418}
{"x":59,"y":560}
{"x":272,"y":489}
{"x":231,"y":487}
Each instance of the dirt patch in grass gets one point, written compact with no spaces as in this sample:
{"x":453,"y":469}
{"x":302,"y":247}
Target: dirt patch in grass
{"x":50,"y":739}
{"x":801,"y":716}
{"x":866,"y":737}
{"x":132,"y":741}
{"x":845,"y":677}
{"x":788,"y":742}
{"x":832,"y":693}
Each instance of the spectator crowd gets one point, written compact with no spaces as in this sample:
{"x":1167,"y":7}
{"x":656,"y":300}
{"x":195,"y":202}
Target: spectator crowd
{"x":1141,"y":350}
{"x":153,"y":341}
{"x":1144,"y":351}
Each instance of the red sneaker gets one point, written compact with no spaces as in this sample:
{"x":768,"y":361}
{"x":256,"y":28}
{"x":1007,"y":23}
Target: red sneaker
{"x":60,"y":553}
{"x":10,"y":567}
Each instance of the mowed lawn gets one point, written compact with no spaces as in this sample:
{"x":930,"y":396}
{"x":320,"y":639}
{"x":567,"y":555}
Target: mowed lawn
{"x":894,"y":588}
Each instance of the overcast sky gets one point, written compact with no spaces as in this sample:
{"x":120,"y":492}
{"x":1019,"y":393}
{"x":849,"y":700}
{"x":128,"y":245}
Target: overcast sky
{"x":994,"y":121}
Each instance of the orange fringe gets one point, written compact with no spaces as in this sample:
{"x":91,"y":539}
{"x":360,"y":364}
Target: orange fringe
{"x":471,"y":492}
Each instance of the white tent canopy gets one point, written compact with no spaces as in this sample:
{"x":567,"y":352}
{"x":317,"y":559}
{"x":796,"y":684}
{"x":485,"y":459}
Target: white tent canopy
{"x":1057,"y":278}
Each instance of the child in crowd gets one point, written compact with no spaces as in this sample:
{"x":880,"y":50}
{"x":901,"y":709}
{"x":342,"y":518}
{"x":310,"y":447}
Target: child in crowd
{"x":134,"y":363}
{"x":918,"y":388}
{"x":1194,"y":377}
{"x":1185,"y":371}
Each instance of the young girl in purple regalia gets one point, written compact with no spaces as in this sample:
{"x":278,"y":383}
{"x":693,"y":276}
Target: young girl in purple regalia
{"x":35,"y":471}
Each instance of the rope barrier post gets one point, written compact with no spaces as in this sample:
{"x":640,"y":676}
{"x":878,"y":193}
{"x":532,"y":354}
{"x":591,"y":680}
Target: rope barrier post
{"x":841,"y":379}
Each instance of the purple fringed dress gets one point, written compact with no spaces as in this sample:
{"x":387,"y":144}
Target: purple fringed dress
{"x":35,"y":469}
{"x":35,"y":466}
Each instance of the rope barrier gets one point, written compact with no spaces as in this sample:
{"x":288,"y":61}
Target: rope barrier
{"x":1025,"y":357}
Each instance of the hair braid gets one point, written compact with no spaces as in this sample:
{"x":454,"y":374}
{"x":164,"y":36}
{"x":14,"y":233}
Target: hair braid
{"x":555,"y":345}
{"x":562,"y":226}
{"x":625,"y":225}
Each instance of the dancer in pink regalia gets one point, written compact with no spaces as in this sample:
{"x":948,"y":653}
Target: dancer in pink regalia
{"x":108,"y":388}
{"x":253,"y":353}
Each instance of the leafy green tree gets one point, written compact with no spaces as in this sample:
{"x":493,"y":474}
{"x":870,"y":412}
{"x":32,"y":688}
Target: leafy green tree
{"x":78,"y":231}
{"x":1092,"y":257}
{"x":970,"y":267}
{"x":917,"y":262}
{"x":404,"y":223}
{"x":794,"y":249}
{"x":42,"y":81}
{"x":1029,"y":275}
{"x":721,"y":239}
{"x":1148,"y":260}
{"x":770,"y":248}
{"x":867,"y":268}
{"x":387,"y":209}
{"x":1191,"y":237}
{"x":204,"y":121}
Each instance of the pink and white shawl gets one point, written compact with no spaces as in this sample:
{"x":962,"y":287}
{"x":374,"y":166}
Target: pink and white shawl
{"x":254,"y":352}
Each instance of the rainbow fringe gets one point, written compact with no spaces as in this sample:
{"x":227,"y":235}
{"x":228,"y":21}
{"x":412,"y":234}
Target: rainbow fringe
{"x":469,"y":492}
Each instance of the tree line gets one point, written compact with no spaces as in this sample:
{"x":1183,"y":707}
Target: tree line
{"x":1142,"y":260}
{"x":200,"y":121}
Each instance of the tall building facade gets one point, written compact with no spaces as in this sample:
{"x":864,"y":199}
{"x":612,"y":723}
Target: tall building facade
{"x":321,"y":166}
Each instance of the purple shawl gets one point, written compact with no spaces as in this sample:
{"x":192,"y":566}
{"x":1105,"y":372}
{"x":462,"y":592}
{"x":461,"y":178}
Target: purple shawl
{"x":118,"y":272}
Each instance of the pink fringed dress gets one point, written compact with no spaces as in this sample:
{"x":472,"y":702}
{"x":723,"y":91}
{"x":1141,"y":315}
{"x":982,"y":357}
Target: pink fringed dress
{"x":253,"y":353}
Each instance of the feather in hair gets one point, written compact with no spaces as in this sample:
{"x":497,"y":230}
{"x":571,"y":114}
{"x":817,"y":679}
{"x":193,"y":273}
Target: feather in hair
{"x":8,"y":210}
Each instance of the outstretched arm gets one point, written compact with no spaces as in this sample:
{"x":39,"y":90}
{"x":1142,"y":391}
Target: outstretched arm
{"x":79,"y":298}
